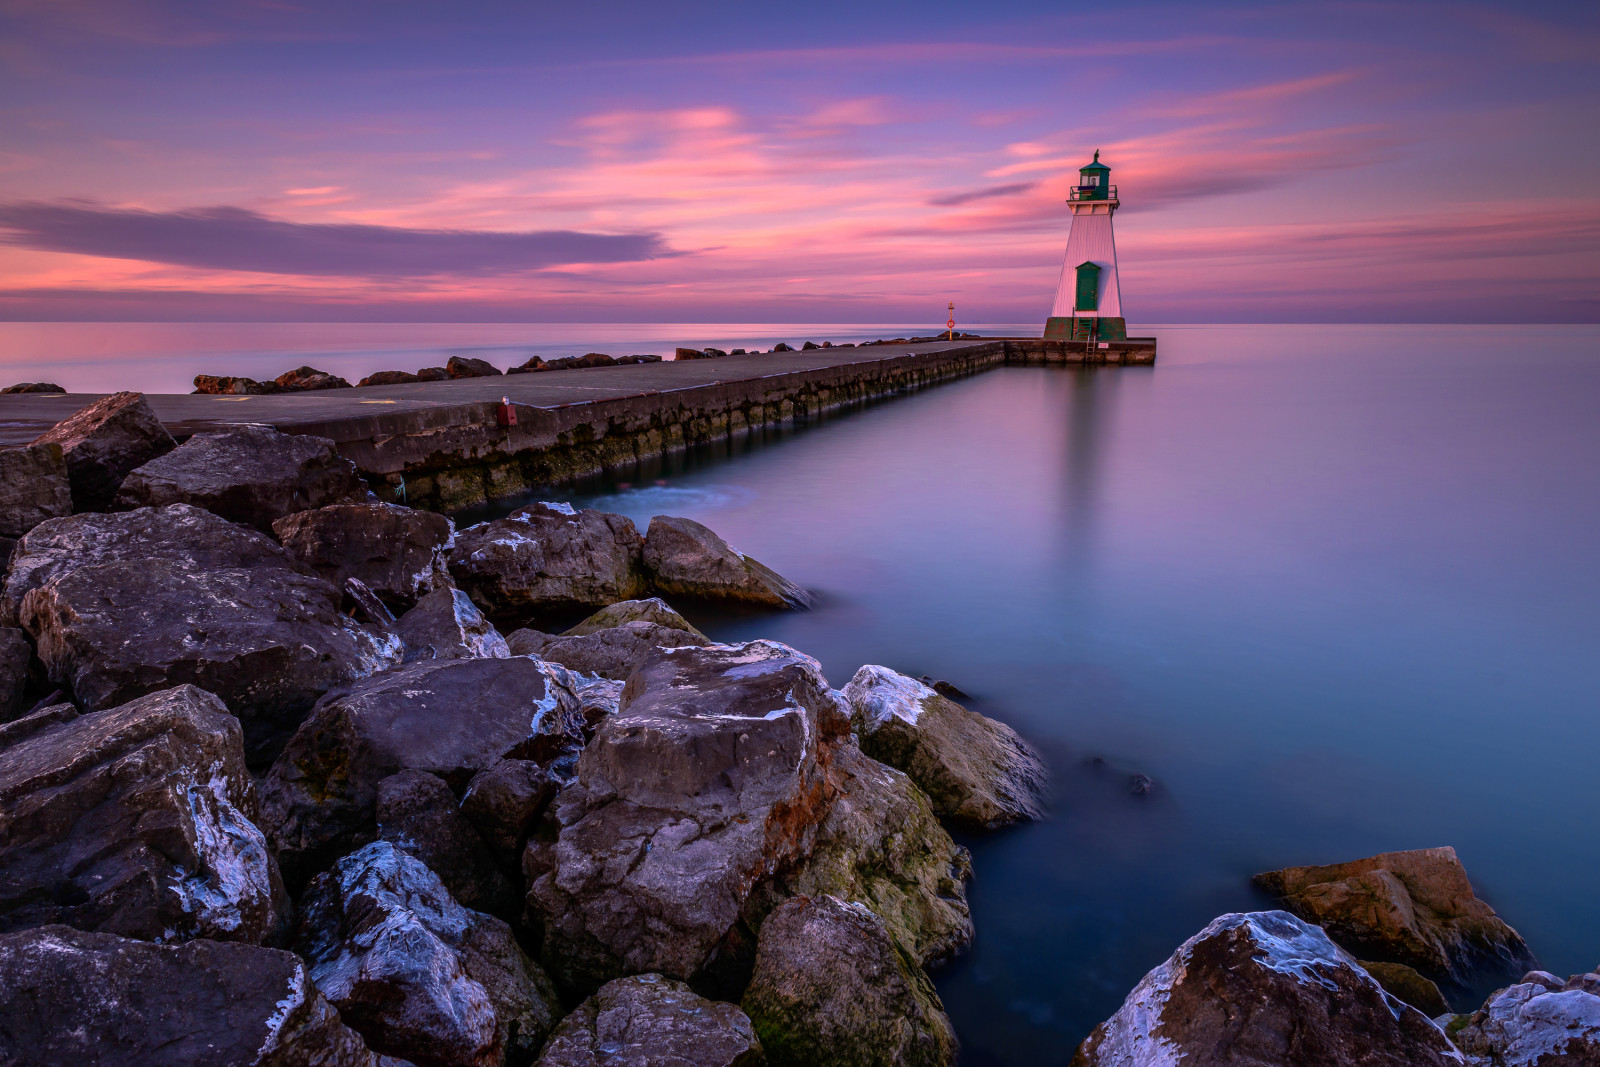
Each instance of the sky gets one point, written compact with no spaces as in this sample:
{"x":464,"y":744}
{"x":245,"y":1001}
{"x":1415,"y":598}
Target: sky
{"x":838,"y":162}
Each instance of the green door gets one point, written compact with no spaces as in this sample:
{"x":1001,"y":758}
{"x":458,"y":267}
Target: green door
{"x":1088,"y":298}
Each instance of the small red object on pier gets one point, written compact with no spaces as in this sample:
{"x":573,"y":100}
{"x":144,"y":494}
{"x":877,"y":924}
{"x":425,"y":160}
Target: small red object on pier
{"x":505,"y":414}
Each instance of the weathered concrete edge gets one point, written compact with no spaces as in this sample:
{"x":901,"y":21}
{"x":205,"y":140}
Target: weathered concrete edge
{"x":450,"y":457}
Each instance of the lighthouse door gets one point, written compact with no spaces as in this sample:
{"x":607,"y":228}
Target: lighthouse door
{"x":1088,"y":294}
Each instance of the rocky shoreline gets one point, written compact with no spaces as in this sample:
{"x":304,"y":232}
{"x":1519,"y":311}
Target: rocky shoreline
{"x":292,"y":776}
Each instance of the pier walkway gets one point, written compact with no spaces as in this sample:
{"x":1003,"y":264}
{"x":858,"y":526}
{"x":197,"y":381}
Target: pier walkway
{"x":445,"y":445}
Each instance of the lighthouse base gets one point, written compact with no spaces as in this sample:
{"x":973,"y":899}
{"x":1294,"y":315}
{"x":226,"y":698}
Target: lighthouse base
{"x":1066,"y":328}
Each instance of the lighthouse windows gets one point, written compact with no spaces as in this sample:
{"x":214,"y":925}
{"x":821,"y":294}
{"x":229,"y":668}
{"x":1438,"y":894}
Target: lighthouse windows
{"x":1091,"y":179}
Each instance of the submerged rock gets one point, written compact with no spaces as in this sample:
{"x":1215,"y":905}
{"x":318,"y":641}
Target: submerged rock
{"x":547,"y":557}
{"x":831,"y":986}
{"x":267,"y":640}
{"x":446,"y":624}
{"x":251,"y":474}
{"x":1416,"y":908}
{"x":647,"y":1020}
{"x":97,"y":1000}
{"x":415,"y":973}
{"x":398,"y":552}
{"x":881,"y":845}
{"x":684,"y":558}
{"x":977,"y":771}
{"x":103,"y":443}
{"x":1264,"y":988}
{"x":1538,"y":1022}
{"x":33,"y":487}
{"x":452,"y":718}
{"x":1406,"y":984}
{"x":139,"y":821}
{"x":417,"y":813}
{"x":708,"y":779}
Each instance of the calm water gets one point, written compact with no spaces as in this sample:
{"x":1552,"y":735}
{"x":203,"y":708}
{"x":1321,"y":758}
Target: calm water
{"x":1334,"y":589}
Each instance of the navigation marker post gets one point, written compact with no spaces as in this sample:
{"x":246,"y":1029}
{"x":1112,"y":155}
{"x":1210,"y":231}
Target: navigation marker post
{"x":950,"y":323}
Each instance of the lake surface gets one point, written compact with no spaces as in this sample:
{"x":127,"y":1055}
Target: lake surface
{"x":1334,"y":588}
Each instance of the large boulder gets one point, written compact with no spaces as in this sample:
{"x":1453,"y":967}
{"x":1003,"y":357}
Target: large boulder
{"x":398,"y":553}
{"x":1264,"y":988}
{"x":32,"y":387}
{"x":251,"y":474}
{"x":415,"y":973}
{"x":97,"y":1000}
{"x":832,"y":986}
{"x":139,"y":821}
{"x":105,"y":441}
{"x":685,"y":559}
{"x":228,"y":385}
{"x":1415,"y":907}
{"x":418,"y":814}
{"x":446,"y":624}
{"x":613,"y":641}
{"x":652,"y":610}
{"x":267,"y":640}
{"x":882,"y":846}
{"x":548,"y":557}
{"x":646,"y":1020}
{"x":709,"y":778}
{"x":1539,"y":1022}
{"x":977,"y":771}
{"x":452,"y":718}
{"x":16,"y":655}
{"x":305,"y":379}
{"x":33,"y":487}
{"x":187,"y":535}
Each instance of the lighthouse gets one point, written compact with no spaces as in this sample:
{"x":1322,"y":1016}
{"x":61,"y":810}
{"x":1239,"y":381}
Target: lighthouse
{"x":1088,"y":303}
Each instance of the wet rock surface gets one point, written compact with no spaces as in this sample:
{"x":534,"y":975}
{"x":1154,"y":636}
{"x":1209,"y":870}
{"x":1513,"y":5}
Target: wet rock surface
{"x":881,"y":845}
{"x":446,"y":624}
{"x":398,"y":553}
{"x":708,"y":779}
{"x":1416,"y":908}
{"x":831,"y":986}
{"x":686,"y":559}
{"x":417,"y":813}
{"x":451,"y":718}
{"x":647,"y":1020}
{"x":1264,"y":988}
{"x":252,"y":475}
{"x":139,"y":821}
{"x":547,"y":557}
{"x":94,"y":999}
{"x":33,"y":487}
{"x":1540,"y":1021}
{"x":415,"y":973}
{"x":103,"y":443}
{"x":976,"y":771}
{"x":267,"y":640}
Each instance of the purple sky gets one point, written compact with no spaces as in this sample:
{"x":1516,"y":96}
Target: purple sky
{"x":844,"y":162}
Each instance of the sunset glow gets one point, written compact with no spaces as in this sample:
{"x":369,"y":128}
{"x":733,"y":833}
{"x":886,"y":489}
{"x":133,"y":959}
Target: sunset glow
{"x":260,"y":161}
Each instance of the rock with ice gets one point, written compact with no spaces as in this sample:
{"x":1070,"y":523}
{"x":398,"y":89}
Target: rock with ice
{"x":1538,"y":1022}
{"x":418,"y":814}
{"x":415,"y":973}
{"x":140,"y":821}
{"x":446,"y":624}
{"x":1263,"y":988}
{"x":98,"y":1000}
{"x":451,"y":718}
{"x":977,"y":771}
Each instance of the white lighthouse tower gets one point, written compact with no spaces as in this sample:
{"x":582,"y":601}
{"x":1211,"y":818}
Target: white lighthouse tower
{"x":1088,"y":303}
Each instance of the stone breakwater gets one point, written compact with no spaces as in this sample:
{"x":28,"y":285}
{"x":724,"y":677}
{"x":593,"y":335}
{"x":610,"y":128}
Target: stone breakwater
{"x":290,"y":775}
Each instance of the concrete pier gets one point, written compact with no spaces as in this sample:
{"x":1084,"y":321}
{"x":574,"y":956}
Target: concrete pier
{"x":442,"y":445}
